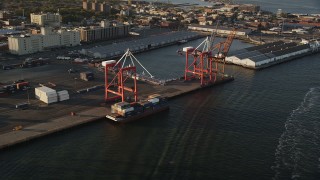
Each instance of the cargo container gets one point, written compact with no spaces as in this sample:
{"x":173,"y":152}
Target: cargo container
{"x":63,"y":95}
{"x":46,"y":94}
{"x":122,"y":105}
{"x":87,"y":76}
{"x":154,"y":100}
{"x":146,"y":104}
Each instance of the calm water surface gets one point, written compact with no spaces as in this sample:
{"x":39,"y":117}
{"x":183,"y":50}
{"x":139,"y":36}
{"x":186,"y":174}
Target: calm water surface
{"x":290,"y":6}
{"x":263,"y":125}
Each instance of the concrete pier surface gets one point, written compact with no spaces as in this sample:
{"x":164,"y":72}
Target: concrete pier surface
{"x":41,"y":121}
{"x":55,"y":125}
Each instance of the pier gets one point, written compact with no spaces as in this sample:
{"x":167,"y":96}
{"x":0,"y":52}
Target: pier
{"x":172,"y":90}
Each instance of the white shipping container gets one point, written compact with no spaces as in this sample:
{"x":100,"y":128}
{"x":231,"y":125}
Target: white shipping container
{"x":62,"y":92}
{"x":46,"y":94}
{"x":154,"y":100}
{"x":64,"y":96}
{"x":49,"y":100}
{"x":127,"y":110}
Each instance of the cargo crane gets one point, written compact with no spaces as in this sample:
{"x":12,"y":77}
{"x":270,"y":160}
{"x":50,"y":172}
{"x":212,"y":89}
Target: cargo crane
{"x":201,"y":65}
{"x":123,"y":71}
{"x":222,"y":51}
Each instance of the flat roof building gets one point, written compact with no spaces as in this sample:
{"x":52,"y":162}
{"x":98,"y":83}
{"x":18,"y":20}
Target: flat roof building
{"x":267,"y":54}
{"x":27,"y":44}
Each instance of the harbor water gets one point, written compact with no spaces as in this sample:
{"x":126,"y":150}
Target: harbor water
{"x":289,"y":6}
{"x":263,"y":125}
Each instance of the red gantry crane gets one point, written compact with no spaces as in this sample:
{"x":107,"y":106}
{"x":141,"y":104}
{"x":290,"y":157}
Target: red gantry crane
{"x":199,"y":63}
{"x":123,"y":71}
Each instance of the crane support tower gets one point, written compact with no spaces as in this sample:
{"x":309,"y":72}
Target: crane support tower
{"x":124,"y":70}
{"x":117,"y":85}
{"x":203,"y":64}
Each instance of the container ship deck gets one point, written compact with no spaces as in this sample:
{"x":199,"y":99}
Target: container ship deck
{"x":142,"y":115}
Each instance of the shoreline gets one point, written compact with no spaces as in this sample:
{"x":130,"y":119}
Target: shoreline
{"x":29,"y":133}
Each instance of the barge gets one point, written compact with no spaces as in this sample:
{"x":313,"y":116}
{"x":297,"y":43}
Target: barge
{"x":126,"y":112}
{"x":121,"y":119}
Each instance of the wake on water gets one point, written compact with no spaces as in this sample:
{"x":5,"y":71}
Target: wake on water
{"x":298,"y":154}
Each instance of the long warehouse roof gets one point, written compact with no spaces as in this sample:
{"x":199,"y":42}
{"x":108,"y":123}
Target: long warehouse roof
{"x":269,"y":50}
{"x":159,"y":38}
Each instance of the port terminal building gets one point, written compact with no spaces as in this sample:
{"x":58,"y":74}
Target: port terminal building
{"x":140,"y":45}
{"x":268,"y":54}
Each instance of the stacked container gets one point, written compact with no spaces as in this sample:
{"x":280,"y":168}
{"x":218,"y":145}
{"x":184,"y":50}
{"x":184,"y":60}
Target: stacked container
{"x":155,"y":103}
{"x":122,"y":108}
{"x":138,"y":108}
{"x":146,"y":105}
{"x":46,"y":94}
{"x":63,"y":95}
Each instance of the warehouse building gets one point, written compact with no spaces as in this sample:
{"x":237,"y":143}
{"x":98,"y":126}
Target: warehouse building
{"x":139,"y":45}
{"x":220,"y":30}
{"x":27,"y":44}
{"x":264,"y":55}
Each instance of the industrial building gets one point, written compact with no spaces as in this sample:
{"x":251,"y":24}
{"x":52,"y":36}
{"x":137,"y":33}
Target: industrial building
{"x":220,"y":30}
{"x":27,"y":44}
{"x":140,"y":45}
{"x":104,"y":32}
{"x":268,"y":54}
{"x":46,"y":19}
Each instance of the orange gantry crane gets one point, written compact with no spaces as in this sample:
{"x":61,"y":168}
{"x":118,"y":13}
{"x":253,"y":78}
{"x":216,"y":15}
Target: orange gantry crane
{"x":199,"y":63}
{"x":124,"y":70}
{"x":117,"y":85}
